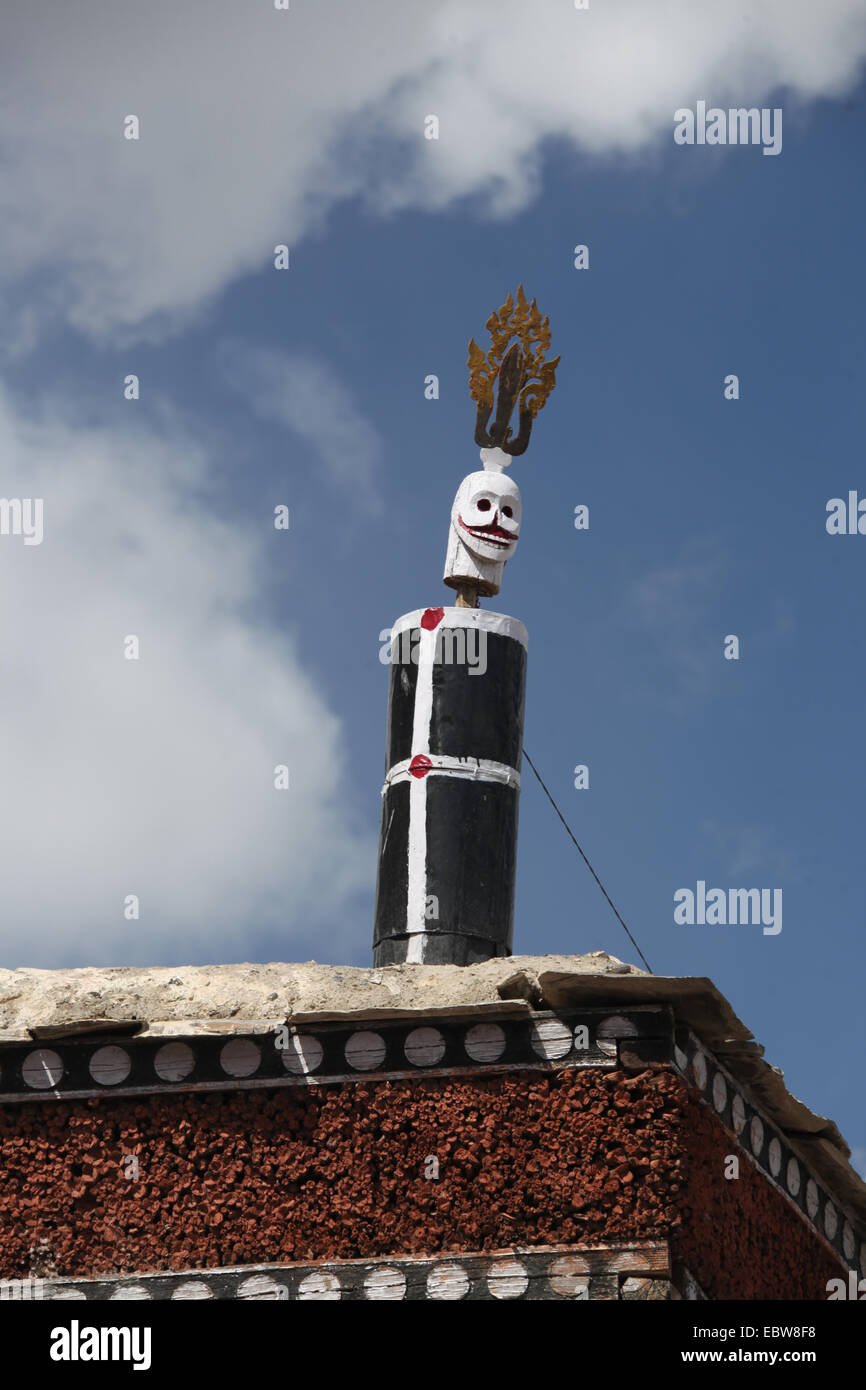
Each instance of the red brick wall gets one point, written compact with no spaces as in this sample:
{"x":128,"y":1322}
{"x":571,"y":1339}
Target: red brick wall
{"x":338,"y":1172}
{"x":740,"y":1238}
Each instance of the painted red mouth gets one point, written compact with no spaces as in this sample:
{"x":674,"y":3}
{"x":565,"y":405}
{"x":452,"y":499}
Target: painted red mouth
{"x":491,"y":532}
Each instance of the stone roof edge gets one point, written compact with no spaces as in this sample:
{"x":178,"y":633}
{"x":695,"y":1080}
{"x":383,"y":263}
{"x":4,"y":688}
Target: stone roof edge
{"x":194,"y":1000}
{"x":35,"y":1000}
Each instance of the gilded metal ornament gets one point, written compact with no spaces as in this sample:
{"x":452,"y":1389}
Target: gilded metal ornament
{"x":525,"y":378}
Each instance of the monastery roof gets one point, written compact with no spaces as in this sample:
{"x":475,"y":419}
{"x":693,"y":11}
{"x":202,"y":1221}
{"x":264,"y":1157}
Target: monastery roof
{"x":226,"y":1000}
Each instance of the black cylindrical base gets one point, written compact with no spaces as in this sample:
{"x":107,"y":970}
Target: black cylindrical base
{"x":448,"y":838}
{"x":440,"y":948}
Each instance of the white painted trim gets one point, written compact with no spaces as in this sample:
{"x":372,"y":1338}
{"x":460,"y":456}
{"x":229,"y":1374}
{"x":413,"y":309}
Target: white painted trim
{"x":443,"y":765}
{"x":499,"y":624}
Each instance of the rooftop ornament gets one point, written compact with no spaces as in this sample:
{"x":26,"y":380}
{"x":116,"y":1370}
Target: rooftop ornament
{"x":485,"y":518}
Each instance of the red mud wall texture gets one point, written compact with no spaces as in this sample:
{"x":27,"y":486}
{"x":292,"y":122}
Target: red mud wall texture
{"x":246,"y":1177}
{"x":740,"y":1238}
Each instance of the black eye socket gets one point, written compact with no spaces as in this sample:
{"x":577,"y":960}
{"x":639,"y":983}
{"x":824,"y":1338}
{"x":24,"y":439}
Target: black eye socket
{"x":506,"y":511}
{"x":484,"y":504}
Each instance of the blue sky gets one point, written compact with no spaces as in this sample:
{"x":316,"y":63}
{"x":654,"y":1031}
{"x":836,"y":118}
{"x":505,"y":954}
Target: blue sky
{"x":306,"y":387}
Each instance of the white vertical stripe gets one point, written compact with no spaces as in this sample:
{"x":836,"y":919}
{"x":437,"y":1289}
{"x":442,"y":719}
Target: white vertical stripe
{"x":416,"y":895}
{"x":424,"y":692}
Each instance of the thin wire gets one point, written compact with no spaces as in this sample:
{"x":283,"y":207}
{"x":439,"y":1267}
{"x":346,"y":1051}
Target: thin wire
{"x":586,"y":861}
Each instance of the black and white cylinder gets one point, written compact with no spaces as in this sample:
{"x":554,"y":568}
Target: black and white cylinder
{"x":448,"y":837}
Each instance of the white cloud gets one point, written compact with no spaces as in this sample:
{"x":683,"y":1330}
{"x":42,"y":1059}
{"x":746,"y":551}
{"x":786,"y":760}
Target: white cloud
{"x":670,"y":604}
{"x":304,"y":395}
{"x":255,"y":121}
{"x":155,"y":777}
{"x":749,"y":849}
{"x":671,"y":595}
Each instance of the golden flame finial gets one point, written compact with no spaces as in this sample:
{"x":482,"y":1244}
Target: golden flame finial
{"x":524,"y":376}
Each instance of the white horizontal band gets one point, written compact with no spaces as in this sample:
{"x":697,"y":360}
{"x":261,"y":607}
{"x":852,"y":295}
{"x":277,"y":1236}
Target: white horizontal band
{"x":476,"y":769}
{"x":496,"y":623}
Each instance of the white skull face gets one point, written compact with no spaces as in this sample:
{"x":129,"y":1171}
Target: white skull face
{"x":486,"y":515}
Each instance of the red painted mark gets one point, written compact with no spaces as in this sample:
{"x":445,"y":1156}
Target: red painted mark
{"x":432,"y":617}
{"x":420,"y":764}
